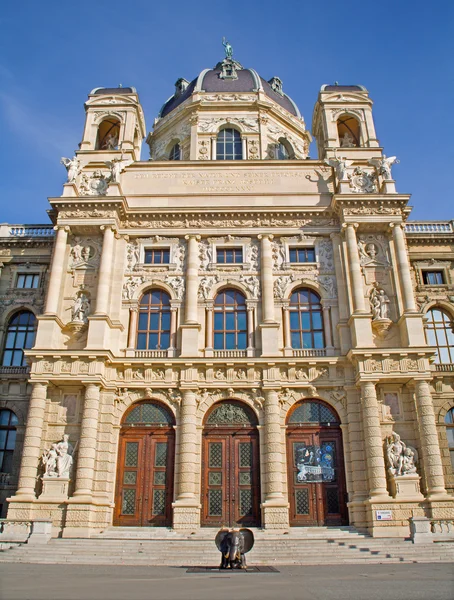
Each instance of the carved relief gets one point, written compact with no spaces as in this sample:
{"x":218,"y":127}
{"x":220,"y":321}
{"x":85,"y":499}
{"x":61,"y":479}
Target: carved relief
{"x":177,"y":284}
{"x":252,"y":284}
{"x":362,"y":182}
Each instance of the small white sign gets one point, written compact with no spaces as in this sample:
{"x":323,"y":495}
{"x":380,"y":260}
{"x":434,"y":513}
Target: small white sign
{"x":384,"y":515}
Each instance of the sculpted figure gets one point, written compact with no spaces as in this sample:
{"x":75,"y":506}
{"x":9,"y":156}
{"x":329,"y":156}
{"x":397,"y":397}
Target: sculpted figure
{"x":228,"y":48}
{"x":110,"y":143}
{"x":401,"y":459}
{"x":347,"y":141}
{"x":72,"y":167}
{"x":379,"y":302}
{"x":64,"y":458}
{"x":81,"y":308}
{"x":383,"y":165}
{"x":49,"y":460}
{"x":76,"y":251}
{"x":233,"y":545}
{"x":340,"y":165}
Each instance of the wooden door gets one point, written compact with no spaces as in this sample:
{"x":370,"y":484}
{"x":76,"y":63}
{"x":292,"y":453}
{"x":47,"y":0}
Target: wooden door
{"x":316,"y":476}
{"x":231,"y":478}
{"x":144,"y":491}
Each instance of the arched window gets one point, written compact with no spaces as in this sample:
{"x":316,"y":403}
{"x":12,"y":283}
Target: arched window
{"x":449,"y":421}
{"x":284,"y":150}
{"x":349,"y":131}
{"x":8,"y":422}
{"x":306,"y":325}
{"x":440,"y":333}
{"x":175,"y":153}
{"x":229,"y":145}
{"x":230,"y":329}
{"x":108,"y":134}
{"x":20,"y":336}
{"x":153,"y":331}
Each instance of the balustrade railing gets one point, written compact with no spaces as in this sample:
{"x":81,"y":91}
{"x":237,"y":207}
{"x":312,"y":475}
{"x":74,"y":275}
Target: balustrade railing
{"x":31,"y":231}
{"x":14,"y":370}
{"x":229,"y":353}
{"x":428,"y":227}
{"x":151,"y":353}
{"x":309,"y":352}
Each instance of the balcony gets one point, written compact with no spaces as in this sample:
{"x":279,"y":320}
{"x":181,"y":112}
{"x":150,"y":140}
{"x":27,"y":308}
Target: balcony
{"x":444,"y":368}
{"x":309,"y":352}
{"x":151,"y":353}
{"x":429,"y":227}
{"x":14,"y":370}
{"x":229,"y":353}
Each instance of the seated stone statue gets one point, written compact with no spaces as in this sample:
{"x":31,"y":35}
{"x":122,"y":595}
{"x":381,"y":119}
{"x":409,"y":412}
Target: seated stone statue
{"x":233,"y":545}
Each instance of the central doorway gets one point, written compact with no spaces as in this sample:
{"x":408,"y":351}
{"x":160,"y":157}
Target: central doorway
{"x":230,"y":467}
{"x":144,"y":490}
{"x":316,"y":474}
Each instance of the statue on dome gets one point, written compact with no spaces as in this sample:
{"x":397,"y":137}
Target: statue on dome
{"x":228,"y":48}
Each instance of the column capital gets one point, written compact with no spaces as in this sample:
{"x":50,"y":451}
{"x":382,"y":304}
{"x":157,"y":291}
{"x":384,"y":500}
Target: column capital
{"x":107,"y":227}
{"x":193,"y":236}
{"x":395,"y":226}
{"x":345,"y":226}
{"x":66,"y":228}
{"x":263,"y":236}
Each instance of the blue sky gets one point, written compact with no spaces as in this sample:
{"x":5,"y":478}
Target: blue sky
{"x":53,"y":53}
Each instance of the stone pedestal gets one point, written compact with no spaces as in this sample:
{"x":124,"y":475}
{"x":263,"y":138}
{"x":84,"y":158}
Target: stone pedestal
{"x":186,"y":515}
{"x":406,"y":487}
{"x":41,"y":531}
{"x":420,"y":532}
{"x":270,"y":340}
{"x":190,"y":339}
{"x":54,"y":489}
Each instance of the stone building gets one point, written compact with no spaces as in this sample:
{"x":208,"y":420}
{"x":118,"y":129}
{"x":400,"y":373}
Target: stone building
{"x":232,"y":332}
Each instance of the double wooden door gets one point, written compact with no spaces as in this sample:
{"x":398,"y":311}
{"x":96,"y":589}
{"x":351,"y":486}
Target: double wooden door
{"x":231,"y":478}
{"x":144,"y":490}
{"x":316,"y":476}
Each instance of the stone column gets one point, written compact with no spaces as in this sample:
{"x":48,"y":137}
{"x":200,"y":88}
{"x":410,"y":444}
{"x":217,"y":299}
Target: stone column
{"x":267,"y":279}
{"x":430,"y":448}
{"x":105,"y":271}
{"x":403,"y":268}
{"x":327,"y":327}
{"x":133,"y":320}
{"x":354,"y":265}
{"x":192,"y":279}
{"x":31,"y":451}
{"x":213,"y":148}
{"x":209,"y":327}
{"x":275,"y":506}
{"x":86,"y":455}
{"x":286,"y":323}
{"x":56,"y":273}
{"x":250,"y":329}
{"x":187,"y":506}
{"x":173,"y":329}
{"x":244,"y":147}
{"x":373,"y":442}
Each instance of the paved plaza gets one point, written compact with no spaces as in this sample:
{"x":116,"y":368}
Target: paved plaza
{"x":352,"y":582}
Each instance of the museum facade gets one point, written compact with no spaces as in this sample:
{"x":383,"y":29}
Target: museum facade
{"x":230,"y":332}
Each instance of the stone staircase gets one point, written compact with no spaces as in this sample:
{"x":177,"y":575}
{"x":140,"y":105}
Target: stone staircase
{"x":159,"y":546}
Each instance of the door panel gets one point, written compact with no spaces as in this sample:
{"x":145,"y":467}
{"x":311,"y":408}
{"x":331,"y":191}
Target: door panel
{"x":145,"y":478}
{"x":230,"y":483}
{"x":316,"y":477}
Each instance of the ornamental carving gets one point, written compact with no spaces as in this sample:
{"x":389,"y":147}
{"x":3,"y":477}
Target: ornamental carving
{"x":228,"y":98}
{"x":281,"y":284}
{"x":130,"y":286}
{"x":205,"y":286}
{"x":205,"y":255}
{"x":177,"y":284}
{"x":197,"y":223}
{"x":213,"y":124}
{"x":325,"y":255}
{"x":252,"y":256}
{"x":328,"y":283}
{"x":362,"y":182}
{"x":279,"y":256}
{"x":372,"y":210}
{"x":83,"y":214}
{"x":84,"y":252}
{"x":95,"y":184}
{"x":252,"y":284}
{"x":228,"y":413}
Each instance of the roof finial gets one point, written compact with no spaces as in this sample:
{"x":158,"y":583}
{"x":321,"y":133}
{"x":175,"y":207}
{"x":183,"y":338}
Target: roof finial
{"x":228,"y":48}
{"x":120,"y":85}
{"x":336,"y":83}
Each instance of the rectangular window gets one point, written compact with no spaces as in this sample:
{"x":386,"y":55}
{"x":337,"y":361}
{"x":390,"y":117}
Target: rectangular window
{"x":302,"y":255}
{"x":227,"y":256}
{"x":433,"y":277}
{"x":158,"y":256}
{"x":29,"y":281}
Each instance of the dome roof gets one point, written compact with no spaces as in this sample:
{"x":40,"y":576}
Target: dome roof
{"x":243,"y":81}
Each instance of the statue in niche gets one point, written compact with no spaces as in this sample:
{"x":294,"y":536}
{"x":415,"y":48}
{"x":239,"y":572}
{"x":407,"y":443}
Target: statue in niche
{"x":340,"y":165}
{"x":72,"y":167}
{"x":347,"y":141}
{"x":401,"y":458}
{"x":81,"y":308}
{"x":379,"y":302}
{"x":110,"y":143}
{"x":228,"y":48}
{"x":58,"y":459}
{"x":383,"y":165}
